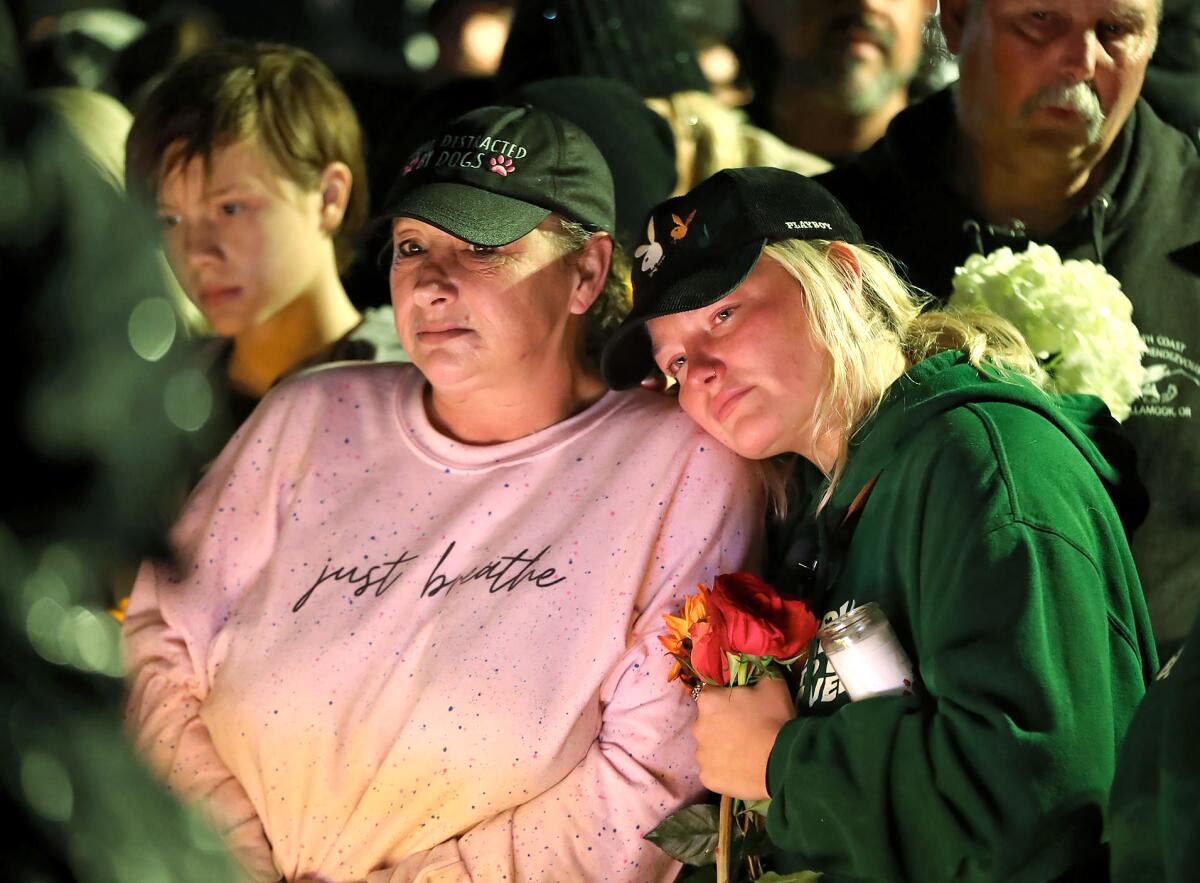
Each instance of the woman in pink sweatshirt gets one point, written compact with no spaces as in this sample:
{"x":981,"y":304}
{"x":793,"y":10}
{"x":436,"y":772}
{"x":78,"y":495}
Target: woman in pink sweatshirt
{"x":411,"y":632}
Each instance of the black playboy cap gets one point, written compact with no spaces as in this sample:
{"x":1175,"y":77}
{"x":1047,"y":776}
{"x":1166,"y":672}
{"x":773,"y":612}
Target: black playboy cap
{"x":703,"y":245}
{"x":492,"y":175}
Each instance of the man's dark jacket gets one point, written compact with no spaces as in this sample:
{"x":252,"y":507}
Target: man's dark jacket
{"x":1144,"y":227}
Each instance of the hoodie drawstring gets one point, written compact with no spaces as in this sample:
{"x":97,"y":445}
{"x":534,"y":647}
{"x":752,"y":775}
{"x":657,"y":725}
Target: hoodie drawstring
{"x":1016,"y":231}
{"x":973,"y":228}
{"x":1008,"y":234}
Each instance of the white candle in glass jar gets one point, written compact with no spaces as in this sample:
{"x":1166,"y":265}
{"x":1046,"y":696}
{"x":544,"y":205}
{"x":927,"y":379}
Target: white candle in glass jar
{"x":864,"y":652}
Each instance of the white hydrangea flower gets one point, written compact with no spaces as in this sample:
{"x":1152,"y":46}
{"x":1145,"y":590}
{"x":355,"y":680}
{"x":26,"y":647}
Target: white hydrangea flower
{"x":1073,"y":315}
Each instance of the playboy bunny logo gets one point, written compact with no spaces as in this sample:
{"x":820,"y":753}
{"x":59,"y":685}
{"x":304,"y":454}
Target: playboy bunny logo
{"x":680,"y":229}
{"x":651,"y":253}
{"x":502,"y":165}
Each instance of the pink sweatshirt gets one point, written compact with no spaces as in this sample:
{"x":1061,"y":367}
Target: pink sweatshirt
{"x":389,"y":656}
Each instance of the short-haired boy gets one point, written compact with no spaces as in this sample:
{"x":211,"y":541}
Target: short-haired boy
{"x":253,"y":155}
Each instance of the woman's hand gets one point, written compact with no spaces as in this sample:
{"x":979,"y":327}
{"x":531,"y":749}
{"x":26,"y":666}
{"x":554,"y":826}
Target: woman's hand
{"x":735,"y":731}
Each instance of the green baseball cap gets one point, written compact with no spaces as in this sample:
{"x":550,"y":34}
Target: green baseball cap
{"x":492,"y":175}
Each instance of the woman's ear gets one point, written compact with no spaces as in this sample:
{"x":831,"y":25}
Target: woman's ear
{"x":591,"y":272}
{"x":845,"y":258}
{"x":334,"y":187}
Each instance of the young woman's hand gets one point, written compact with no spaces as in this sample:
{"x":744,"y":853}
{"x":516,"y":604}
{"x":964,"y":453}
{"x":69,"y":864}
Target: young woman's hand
{"x":735,"y":731}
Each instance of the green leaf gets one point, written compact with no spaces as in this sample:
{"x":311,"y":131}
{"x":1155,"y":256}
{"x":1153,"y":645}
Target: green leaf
{"x":759,"y":806}
{"x":735,"y":666}
{"x":800,"y":877}
{"x":689,"y":835}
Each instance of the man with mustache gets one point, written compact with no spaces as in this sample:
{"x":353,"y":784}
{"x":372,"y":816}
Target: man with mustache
{"x":1045,"y":139}
{"x":844,"y":68}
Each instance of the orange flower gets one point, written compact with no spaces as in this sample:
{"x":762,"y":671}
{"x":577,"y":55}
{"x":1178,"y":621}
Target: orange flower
{"x":678,"y":640}
{"x":118,"y":612}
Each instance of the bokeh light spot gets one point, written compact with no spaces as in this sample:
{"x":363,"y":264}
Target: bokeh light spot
{"x":42,"y":624}
{"x":95,"y":640}
{"x":45,"y":583}
{"x":152,"y":328}
{"x":47,"y":786}
{"x":188,"y":399}
{"x":421,"y":51}
{"x":64,"y":561}
{"x":482,"y":42}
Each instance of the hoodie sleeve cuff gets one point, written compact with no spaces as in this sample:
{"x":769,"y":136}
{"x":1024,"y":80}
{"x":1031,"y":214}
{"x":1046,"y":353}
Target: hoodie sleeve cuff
{"x":778,"y":761}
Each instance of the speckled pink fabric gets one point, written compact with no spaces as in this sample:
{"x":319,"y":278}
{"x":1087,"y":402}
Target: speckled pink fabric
{"x":391,"y":656}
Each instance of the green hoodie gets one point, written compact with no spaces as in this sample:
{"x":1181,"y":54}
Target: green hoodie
{"x":1154,"y":809}
{"x":992,"y":541}
{"x":1143,"y":226}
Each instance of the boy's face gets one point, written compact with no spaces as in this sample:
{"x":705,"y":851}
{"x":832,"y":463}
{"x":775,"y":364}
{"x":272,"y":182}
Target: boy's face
{"x":244,"y":240}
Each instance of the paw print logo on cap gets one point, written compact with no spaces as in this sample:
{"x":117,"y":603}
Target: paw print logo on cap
{"x":501,"y":165}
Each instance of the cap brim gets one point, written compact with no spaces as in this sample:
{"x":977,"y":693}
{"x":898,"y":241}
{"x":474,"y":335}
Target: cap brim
{"x":471,"y":214}
{"x":628,"y":358}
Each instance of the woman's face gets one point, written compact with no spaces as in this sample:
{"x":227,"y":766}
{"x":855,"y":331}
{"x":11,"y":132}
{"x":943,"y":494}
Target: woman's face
{"x":748,"y":369}
{"x":472,"y":316}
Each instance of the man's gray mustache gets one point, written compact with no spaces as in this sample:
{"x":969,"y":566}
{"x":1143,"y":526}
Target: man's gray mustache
{"x":1079,"y":97}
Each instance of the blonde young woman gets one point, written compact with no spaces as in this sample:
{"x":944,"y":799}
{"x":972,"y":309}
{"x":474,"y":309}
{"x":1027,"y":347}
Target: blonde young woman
{"x":977,"y":510}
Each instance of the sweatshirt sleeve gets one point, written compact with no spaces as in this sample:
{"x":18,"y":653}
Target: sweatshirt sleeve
{"x":999,"y":769}
{"x":641,"y":767}
{"x":164,"y":714}
{"x":174,"y":617}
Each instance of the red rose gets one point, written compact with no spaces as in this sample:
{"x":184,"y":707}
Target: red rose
{"x":749,"y":616}
{"x":708,"y":651}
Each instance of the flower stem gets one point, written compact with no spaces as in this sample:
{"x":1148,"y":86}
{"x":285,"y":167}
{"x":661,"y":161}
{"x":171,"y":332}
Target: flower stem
{"x":724,"y":830}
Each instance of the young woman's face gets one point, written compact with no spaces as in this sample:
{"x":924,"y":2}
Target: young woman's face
{"x":244,"y":241}
{"x":479,"y":316}
{"x":748,"y":369}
